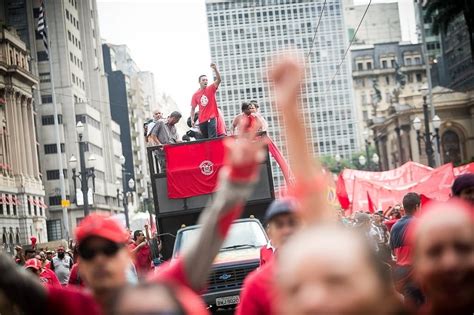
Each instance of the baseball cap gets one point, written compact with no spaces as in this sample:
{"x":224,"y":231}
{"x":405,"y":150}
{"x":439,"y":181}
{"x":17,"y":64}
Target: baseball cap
{"x":33,"y":263}
{"x":280,"y":206}
{"x":101,"y":226}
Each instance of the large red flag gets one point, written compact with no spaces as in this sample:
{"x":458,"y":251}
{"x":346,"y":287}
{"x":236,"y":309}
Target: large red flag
{"x":342,"y":193}
{"x":371,"y":204}
{"x":192,"y":168}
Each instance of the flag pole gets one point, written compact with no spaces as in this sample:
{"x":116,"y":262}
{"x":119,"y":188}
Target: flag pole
{"x":56,"y":131}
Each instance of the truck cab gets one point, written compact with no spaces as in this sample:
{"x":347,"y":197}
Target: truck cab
{"x":238,"y":256}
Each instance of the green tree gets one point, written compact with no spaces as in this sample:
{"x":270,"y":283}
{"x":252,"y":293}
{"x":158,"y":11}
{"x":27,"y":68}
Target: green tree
{"x":443,"y":12}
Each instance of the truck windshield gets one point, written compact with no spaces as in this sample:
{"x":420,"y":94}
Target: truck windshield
{"x":241,"y":235}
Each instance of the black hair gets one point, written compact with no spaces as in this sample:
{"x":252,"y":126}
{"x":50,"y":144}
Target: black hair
{"x":254,"y":102}
{"x":410,"y":202}
{"x":244,"y":106}
{"x":176,"y":114}
{"x":202,"y":75}
{"x":136,"y":234}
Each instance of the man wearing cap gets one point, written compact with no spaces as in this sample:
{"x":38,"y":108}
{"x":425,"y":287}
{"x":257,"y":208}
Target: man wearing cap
{"x":463,"y":187}
{"x":258,"y":296}
{"x":45,"y":275}
{"x":62,"y":265}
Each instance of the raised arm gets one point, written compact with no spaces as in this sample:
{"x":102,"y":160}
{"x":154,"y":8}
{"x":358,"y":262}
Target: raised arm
{"x":218,"y":75}
{"x":236,"y":184}
{"x":20,"y":288}
{"x":310,"y":183}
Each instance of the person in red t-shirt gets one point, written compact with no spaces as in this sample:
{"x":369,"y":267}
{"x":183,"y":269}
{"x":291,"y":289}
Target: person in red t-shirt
{"x":248,"y":114}
{"x":141,"y":253}
{"x":205,"y":98}
{"x":258,"y":295}
{"x":46,"y":276}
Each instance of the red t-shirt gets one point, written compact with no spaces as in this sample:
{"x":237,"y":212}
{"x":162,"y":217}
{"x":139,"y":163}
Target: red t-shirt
{"x":74,"y":278}
{"x":258,"y":294}
{"x":48,"y":277}
{"x":71,"y":301}
{"x":266,"y":254}
{"x":390,"y":223}
{"x":206,"y":99}
{"x":142,"y":258}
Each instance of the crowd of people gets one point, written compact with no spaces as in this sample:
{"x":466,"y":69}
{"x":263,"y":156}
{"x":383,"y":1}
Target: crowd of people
{"x":318,"y":261}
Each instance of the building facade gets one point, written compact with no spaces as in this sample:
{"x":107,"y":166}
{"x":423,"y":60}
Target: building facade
{"x":381,"y":23}
{"x":383,"y":73}
{"x":396,"y":138}
{"x":246,"y":35}
{"x":22,"y":207}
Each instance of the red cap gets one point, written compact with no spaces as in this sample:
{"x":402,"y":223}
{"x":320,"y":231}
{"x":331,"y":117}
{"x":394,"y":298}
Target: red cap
{"x":33,"y":263}
{"x":101,"y":226}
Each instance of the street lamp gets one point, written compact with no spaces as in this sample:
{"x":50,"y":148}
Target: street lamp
{"x":85,"y":173}
{"x":427,"y":136}
{"x":362,"y":160}
{"x":366,"y":135}
{"x":376,"y":160}
{"x":125,"y":191}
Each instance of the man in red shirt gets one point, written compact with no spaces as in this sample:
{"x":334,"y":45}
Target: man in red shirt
{"x":46,"y":276}
{"x":258,"y":295}
{"x":205,"y":98}
{"x":141,"y":253}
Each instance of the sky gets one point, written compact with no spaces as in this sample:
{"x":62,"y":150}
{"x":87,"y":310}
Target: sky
{"x":170,"y":39}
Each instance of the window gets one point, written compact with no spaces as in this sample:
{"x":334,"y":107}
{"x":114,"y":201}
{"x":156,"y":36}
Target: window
{"x":54,"y":229}
{"x":392,"y":63}
{"x":408,"y":61}
{"x":417,"y":61}
{"x":49,"y":119}
{"x":387,"y":80}
{"x":51,"y":148}
{"x":418,"y":77}
{"x":55,"y":200}
{"x":45,"y":99}
{"x":360,"y":66}
{"x":384,"y":64}
{"x":369,"y":65}
{"x":54,"y":174}
{"x":42,"y":55}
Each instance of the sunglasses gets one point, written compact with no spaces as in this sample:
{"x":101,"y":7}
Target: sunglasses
{"x":108,"y":250}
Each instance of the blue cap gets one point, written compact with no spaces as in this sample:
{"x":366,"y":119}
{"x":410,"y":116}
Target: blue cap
{"x":279,"y":206}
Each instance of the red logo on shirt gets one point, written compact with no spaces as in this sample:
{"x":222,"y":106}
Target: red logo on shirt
{"x":207,"y":168}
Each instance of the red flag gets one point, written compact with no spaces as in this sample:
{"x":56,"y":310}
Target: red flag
{"x":192,"y":168}
{"x":275,"y":152}
{"x":424,"y":200}
{"x":342,"y":193}
{"x":371,"y":204}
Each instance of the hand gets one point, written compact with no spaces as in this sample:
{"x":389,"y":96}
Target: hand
{"x":287,"y":76}
{"x":245,"y":150}
{"x":18,"y":248}
{"x":146,"y":226}
{"x":214,"y":66}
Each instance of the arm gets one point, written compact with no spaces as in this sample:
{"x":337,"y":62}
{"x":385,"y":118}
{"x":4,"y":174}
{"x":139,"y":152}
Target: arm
{"x":218,"y":75}
{"x":147,"y":235}
{"x":20,"y":288}
{"x":235,"y":123}
{"x":155,"y":132}
{"x":236,"y":183}
{"x":193,"y":109}
{"x":310,"y":183}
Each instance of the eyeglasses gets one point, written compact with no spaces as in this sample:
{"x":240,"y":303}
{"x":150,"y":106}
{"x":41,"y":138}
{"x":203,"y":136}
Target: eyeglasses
{"x":108,"y":250}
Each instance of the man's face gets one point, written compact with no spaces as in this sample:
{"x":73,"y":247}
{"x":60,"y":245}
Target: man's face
{"x":173,"y":120}
{"x":467,"y":194}
{"x":444,"y":258}
{"x":103,"y":264}
{"x":378,"y":219}
{"x":330,"y":274}
{"x":281,"y":227}
{"x":49,"y":256}
{"x":252,"y":108}
{"x":157,"y":115}
{"x":151,"y":300}
{"x":203,"y":82}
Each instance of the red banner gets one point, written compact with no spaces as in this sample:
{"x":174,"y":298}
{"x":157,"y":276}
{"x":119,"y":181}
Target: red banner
{"x":192,"y":169}
{"x":464,"y":169}
{"x":436,"y":185}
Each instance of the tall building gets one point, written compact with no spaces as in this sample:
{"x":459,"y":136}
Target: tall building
{"x":245,"y":35}
{"x":132,"y":95}
{"x":81,"y":94}
{"x":381,"y":23}
{"x":22,"y":207}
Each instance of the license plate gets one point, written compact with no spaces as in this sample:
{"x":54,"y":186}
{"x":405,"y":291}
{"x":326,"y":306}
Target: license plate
{"x":228,"y":300}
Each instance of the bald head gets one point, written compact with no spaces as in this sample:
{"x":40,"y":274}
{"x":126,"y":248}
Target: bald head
{"x":443,"y":239}
{"x":334,"y":273}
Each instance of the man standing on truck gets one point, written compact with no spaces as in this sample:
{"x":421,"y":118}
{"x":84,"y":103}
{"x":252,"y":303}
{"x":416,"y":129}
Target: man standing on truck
{"x":141,"y":253}
{"x":205,"y":98}
{"x":257,"y":292}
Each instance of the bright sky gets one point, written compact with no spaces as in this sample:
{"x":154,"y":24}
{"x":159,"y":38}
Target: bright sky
{"x":169,"y":38}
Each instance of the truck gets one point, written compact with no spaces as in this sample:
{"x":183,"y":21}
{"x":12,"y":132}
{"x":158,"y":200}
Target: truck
{"x":176,"y":220}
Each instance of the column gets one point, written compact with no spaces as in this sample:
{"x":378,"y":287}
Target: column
{"x":21,"y":136}
{"x":13,"y":132}
{"x":27,"y":144}
{"x":34,"y":154}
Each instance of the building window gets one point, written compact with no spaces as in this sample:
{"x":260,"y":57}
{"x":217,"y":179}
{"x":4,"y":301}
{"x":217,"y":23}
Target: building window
{"x":54,"y":174}
{"x":392,"y":63}
{"x":387,"y":80}
{"x":384,"y":64}
{"x":369,"y":65}
{"x":51,"y":148}
{"x":49,"y":119}
{"x":45,"y":99}
{"x":418,"y":77}
{"x":55,"y":200}
{"x":54,"y":229}
{"x":417,"y":61}
{"x":360,"y":66}
{"x":42,"y":55}
{"x":408,"y":61}
{"x":451,"y":145}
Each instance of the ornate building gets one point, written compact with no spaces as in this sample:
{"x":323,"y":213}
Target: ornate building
{"x":22,"y":207}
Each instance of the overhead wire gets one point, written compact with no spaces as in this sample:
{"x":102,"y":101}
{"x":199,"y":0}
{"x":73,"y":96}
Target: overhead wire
{"x":316,"y":30}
